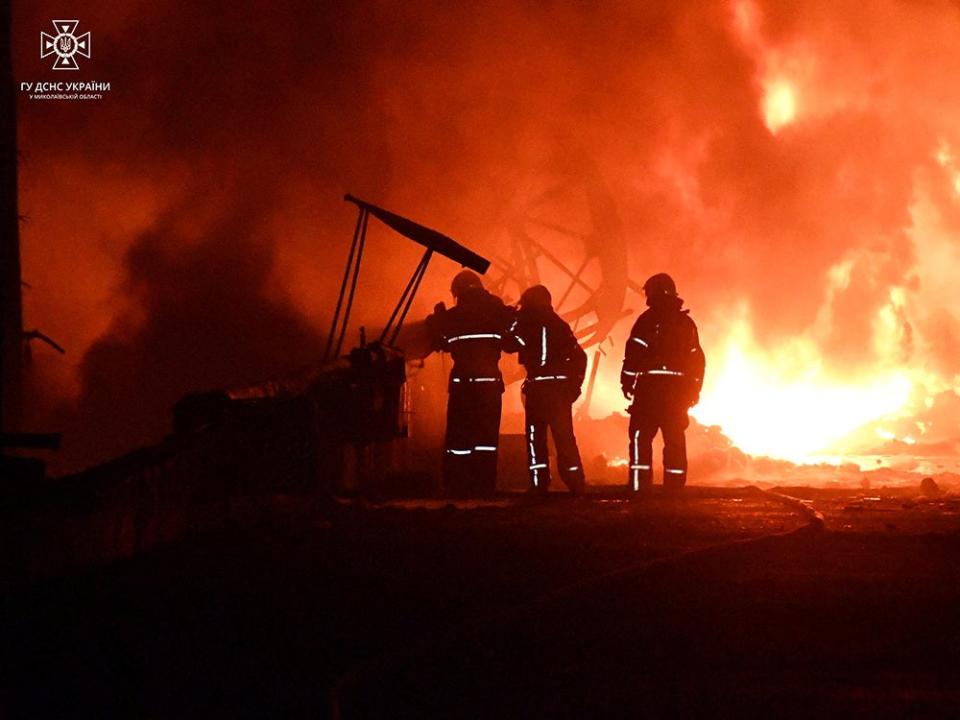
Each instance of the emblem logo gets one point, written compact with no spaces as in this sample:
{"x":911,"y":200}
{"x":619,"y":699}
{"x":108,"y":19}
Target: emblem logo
{"x":65,"y":45}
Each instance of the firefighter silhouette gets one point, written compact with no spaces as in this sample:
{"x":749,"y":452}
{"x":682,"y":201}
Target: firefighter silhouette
{"x":472,"y":332}
{"x":662,"y":375}
{"x":555,"y":365}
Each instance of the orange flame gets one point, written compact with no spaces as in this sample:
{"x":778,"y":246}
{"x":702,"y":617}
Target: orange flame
{"x":784,"y":403}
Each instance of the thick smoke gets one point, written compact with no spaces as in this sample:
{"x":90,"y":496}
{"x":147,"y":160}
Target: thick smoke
{"x":233,"y":129}
{"x":199,"y":318}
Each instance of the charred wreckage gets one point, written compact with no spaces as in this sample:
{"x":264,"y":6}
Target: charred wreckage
{"x":233,"y":449}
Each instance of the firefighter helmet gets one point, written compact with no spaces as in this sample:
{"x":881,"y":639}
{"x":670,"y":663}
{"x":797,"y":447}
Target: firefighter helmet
{"x":536,"y":297}
{"x":660,"y":284}
{"x":465,"y":280}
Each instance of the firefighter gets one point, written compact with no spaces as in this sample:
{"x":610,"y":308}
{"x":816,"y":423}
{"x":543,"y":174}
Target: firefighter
{"x":555,"y":365}
{"x":472,"y":332}
{"x":662,"y":375}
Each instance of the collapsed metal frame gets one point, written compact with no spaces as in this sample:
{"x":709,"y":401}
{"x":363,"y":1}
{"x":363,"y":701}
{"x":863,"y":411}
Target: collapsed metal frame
{"x":432,"y":240}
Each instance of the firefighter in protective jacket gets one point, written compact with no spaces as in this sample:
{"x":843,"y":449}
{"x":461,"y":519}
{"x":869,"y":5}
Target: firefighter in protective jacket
{"x":473,"y":333}
{"x":662,"y":375}
{"x":555,"y":365}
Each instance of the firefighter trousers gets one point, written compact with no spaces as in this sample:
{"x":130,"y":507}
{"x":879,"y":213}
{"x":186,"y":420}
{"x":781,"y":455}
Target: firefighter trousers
{"x":473,"y":433}
{"x":550,"y":407}
{"x":672,"y":421}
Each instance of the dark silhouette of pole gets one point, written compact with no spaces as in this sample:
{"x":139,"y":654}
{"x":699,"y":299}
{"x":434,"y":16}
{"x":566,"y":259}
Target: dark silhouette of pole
{"x":335,"y":324}
{"x":353,"y":285}
{"x":406,"y":300}
{"x":11,"y":312}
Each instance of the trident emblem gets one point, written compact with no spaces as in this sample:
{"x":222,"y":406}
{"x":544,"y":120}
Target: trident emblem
{"x":65,"y":44}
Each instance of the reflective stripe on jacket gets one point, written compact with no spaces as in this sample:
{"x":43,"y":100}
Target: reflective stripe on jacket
{"x":546,"y":347}
{"x":663,"y":346}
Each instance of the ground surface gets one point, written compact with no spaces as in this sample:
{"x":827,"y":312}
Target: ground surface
{"x":723,"y":603}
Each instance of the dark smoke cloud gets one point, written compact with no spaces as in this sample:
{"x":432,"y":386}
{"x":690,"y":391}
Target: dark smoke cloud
{"x":199,"y":320}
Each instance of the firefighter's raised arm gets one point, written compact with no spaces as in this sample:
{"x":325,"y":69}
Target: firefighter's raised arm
{"x":435,"y":327}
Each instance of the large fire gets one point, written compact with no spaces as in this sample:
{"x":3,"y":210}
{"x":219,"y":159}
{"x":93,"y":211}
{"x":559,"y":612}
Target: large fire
{"x":783,"y":402}
{"x":787,"y":402}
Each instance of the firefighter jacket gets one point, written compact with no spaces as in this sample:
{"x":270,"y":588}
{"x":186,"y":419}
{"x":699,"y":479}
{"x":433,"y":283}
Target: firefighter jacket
{"x":548,"y":349}
{"x":473,"y":333}
{"x":663,"y":354}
